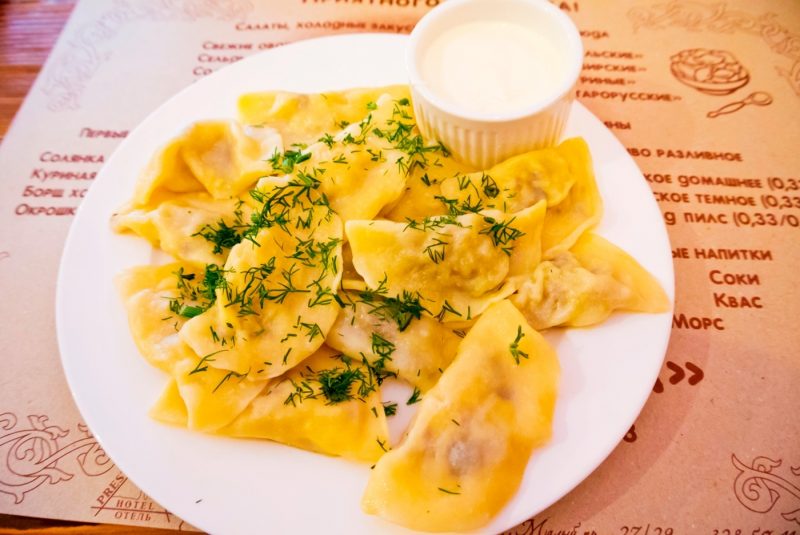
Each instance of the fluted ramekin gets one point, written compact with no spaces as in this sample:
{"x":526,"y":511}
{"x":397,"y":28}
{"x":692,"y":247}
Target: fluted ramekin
{"x":484,"y":139}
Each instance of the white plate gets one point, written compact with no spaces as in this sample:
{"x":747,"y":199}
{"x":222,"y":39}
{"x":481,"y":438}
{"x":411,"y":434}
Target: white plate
{"x":225,"y":485}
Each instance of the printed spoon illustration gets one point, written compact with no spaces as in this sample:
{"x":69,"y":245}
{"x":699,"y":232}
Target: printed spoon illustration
{"x":759,"y":98}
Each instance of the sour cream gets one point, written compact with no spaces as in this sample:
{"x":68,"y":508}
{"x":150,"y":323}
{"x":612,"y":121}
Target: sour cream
{"x":492,"y":67}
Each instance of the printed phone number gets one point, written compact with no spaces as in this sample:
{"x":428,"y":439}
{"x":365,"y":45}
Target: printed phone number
{"x":648,"y":529}
{"x":645,"y":529}
{"x":757,"y":531}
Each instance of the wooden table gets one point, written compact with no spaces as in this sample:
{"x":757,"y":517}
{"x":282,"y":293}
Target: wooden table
{"x":28,"y":31}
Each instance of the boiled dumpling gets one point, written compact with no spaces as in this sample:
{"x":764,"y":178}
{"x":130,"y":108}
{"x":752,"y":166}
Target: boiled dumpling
{"x":219,"y":157}
{"x":305,"y":118}
{"x":365,"y":166}
{"x":581,"y":210}
{"x":202,"y":397}
{"x":516,"y":183}
{"x":423,"y":195}
{"x":159,"y":300}
{"x":417,"y":352}
{"x":170,"y":407}
{"x":276,"y":302}
{"x":457,"y":266}
{"x":213,"y":397}
{"x":192,"y":227}
{"x":331,"y":404}
{"x":586,"y":284}
{"x":466,"y":452}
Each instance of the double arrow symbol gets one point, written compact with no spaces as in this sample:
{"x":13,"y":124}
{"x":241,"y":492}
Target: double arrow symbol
{"x":678,"y":374}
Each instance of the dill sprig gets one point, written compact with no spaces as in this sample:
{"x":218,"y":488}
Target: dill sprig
{"x":312,"y":329}
{"x":383,"y":349}
{"x":416,"y":397}
{"x":286,"y":161}
{"x":277,"y":204}
{"x":436,"y":250}
{"x":201,"y":295}
{"x":489,"y":186}
{"x":253,"y":288}
{"x":447,"y":308}
{"x":222,"y":235}
{"x":432,"y":223}
{"x":401,"y":309}
{"x":403,"y":136}
{"x":333,"y":385}
{"x":501,"y":232}
{"x":202,"y":364}
{"x":229,"y":375}
{"x":456,"y":207}
{"x":389,"y":408}
{"x":381,"y":346}
{"x":514,"y":349}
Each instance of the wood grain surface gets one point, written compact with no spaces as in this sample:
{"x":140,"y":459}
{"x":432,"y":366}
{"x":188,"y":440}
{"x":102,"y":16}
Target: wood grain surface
{"x":28,"y":31}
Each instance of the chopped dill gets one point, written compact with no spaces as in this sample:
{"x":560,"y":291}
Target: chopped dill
{"x":489,"y":186}
{"x":501,"y":232}
{"x":202,"y":365}
{"x":436,"y":250}
{"x":227,"y":376}
{"x":513,"y":347}
{"x":286,"y":161}
{"x":389,"y":408}
{"x":416,"y":397}
{"x":447,"y":308}
{"x":334,"y":385}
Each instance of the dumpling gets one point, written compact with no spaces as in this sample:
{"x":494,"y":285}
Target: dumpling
{"x":276,"y":302}
{"x":457,"y":266}
{"x":364,"y":167}
{"x":516,"y":183}
{"x":192,"y":227}
{"x":600,"y":256}
{"x":166,"y":174}
{"x":581,"y":210}
{"x":305,"y":118}
{"x":331,"y":404}
{"x":227,"y":158}
{"x":159,"y":300}
{"x":169,"y":408}
{"x":417,"y":352}
{"x":422,"y":196}
{"x":585,"y":285}
{"x":466,"y":451}
{"x":202,"y":397}
{"x":213,"y":397}
{"x":357,"y":170}
{"x":349,"y":273}
{"x":219,"y":157}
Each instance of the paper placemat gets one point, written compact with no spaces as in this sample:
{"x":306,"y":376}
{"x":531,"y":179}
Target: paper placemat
{"x":705,"y":94}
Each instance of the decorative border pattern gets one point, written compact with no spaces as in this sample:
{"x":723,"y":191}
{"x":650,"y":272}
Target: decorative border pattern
{"x":71,"y":71}
{"x":759,"y":489}
{"x":38,"y":452}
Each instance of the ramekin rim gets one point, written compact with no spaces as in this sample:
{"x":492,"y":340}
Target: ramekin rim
{"x":574,"y":68}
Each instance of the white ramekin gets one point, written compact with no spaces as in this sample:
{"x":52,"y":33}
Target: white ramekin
{"x":483,"y":140}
